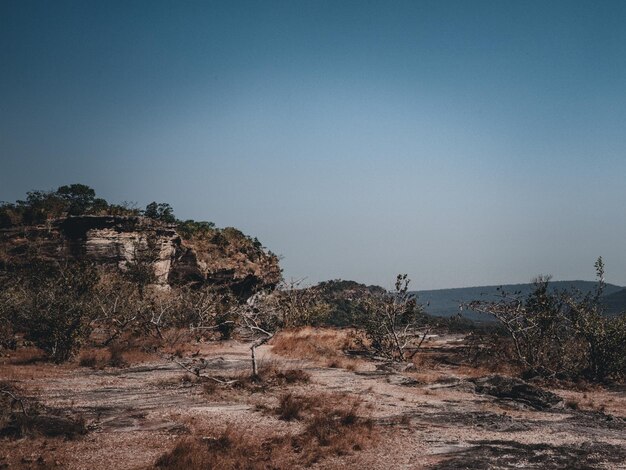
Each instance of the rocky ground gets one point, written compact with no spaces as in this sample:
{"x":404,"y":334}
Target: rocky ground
{"x":435,"y":415}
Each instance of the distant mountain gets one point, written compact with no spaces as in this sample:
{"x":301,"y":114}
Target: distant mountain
{"x":616,"y":302}
{"x":445,"y":302}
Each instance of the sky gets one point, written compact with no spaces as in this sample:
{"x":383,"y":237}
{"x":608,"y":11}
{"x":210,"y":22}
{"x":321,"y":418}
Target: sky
{"x":463,"y":143}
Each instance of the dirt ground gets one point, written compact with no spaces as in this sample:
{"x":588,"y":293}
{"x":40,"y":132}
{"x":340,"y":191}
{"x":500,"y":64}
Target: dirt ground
{"x":427,"y":417}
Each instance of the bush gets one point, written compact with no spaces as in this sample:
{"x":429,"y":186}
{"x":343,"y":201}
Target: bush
{"x":563,"y":334}
{"x":392,"y":322}
{"x":53,"y":306}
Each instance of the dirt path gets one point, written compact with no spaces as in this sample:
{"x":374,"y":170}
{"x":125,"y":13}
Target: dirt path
{"x":137,"y":413}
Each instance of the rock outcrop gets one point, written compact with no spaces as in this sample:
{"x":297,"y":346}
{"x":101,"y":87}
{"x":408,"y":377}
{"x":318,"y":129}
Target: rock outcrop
{"x":219,"y":257}
{"x":516,"y":390}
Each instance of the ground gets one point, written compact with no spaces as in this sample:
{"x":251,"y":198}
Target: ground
{"x":426,"y":417}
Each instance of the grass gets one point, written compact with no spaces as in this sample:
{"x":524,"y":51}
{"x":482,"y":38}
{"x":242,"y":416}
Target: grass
{"x":325,"y":346}
{"x":118,"y":354}
{"x":291,"y":407}
{"x":270,"y":375}
{"x":229,"y":449}
{"x":331,"y":426}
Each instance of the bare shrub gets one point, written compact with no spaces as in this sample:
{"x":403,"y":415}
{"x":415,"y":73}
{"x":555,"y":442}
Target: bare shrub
{"x":52,"y":306}
{"x":116,"y":358}
{"x":562,"y":334}
{"x":209,"y":309}
{"x":26,"y":417}
{"x":393,"y":322}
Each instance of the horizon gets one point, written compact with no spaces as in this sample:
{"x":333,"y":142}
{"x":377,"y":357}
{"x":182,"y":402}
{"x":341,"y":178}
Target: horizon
{"x":467,"y":145}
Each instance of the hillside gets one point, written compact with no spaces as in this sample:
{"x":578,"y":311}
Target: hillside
{"x":616,"y":302}
{"x":445,"y":302}
{"x":72,"y":223}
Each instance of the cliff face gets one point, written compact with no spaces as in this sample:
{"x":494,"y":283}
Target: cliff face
{"x":220,"y":257}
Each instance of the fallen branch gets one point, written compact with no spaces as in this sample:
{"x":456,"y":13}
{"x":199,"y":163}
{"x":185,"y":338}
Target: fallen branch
{"x":15,"y":399}
{"x":197,"y":373}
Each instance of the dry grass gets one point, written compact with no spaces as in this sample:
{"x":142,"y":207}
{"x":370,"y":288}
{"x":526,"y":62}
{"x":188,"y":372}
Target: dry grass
{"x":229,"y":449}
{"x":324,"y":346}
{"x":332,"y":426}
{"x":291,"y":407}
{"x":271,"y":376}
{"x":118,"y":354}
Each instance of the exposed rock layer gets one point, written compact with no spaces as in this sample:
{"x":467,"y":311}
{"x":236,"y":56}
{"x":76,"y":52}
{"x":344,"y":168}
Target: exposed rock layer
{"x":224,"y":257}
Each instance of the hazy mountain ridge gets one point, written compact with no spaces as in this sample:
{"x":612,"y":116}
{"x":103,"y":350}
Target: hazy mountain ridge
{"x":445,"y":302}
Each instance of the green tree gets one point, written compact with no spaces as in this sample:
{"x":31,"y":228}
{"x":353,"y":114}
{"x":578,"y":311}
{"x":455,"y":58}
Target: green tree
{"x":80,"y":198}
{"x":41,"y":206}
{"x":160,"y":211}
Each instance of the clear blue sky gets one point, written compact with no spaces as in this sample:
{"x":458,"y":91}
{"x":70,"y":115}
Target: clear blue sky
{"x":464,"y":142}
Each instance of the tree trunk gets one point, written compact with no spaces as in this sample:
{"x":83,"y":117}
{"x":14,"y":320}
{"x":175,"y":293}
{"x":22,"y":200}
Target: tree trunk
{"x":255,"y":371}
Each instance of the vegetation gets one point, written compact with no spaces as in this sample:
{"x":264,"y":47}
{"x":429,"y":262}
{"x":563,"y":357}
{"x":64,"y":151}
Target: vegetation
{"x":393,"y":322}
{"x":562,"y":334}
{"x":548,"y":332}
{"x":40,"y":207}
{"x":332,"y":427}
{"x":51,"y":305}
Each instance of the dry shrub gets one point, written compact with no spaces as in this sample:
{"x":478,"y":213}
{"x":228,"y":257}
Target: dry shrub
{"x":270,"y":374}
{"x":328,"y":430}
{"x":133,"y":350}
{"x":94,"y":358}
{"x":291,"y":407}
{"x":229,"y":450}
{"x":88,"y":360}
{"x":118,"y":354}
{"x":178,"y":341}
{"x":323,"y":345}
{"x":332,"y":424}
{"x":293,"y":376}
{"x":211,"y":387}
{"x":572,"y":404}
{"x":26,"y":417}
{"x":117,"y":357}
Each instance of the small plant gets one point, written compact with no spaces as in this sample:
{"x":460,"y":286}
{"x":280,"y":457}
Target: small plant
{"x":117,"y":359}
{"x":88,"y":360}
{"x":393,"y":322}
{"x":289,"y":407}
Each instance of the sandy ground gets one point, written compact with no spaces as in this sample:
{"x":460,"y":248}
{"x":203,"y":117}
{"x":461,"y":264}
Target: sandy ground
{"x":429,"y":418}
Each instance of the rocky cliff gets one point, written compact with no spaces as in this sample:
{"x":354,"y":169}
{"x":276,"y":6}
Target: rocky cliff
{"x":219,"y":257}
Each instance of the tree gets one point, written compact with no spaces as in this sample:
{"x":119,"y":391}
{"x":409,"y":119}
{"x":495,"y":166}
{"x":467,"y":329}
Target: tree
{"x":80,"y":199}
{"x":140,"y":269}
{"x":41,"y":206}
{"x":266,"y":313}
{"x":53,"y":306}
{"x":160,"y":211}
{"x":394,"y":322}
